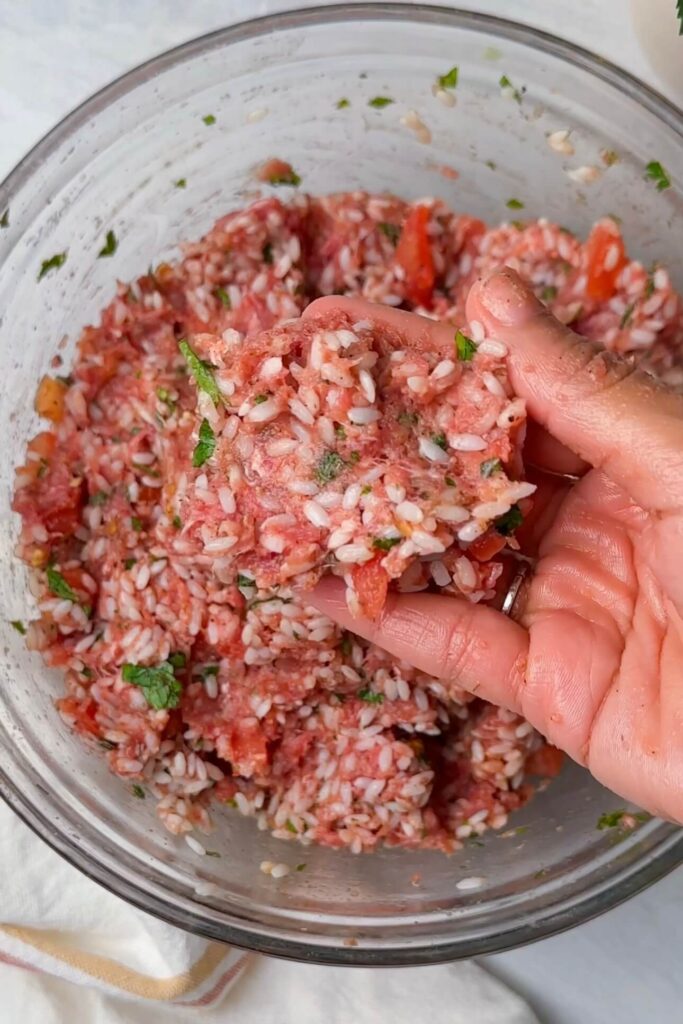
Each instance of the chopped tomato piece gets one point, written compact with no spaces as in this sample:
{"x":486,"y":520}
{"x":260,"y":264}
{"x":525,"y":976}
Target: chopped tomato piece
{"x":83,"y":713}
{"x":414,"y":254}
{"x":486,"y":547}
{"x":50,"y":399}
{"x":605,"y":258}
{"x":546,"y":761}
{"x":249,"y":753}
{"x":371,"y":582}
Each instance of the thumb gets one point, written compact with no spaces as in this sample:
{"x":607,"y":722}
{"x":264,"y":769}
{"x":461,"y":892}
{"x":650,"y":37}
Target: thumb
{"x":595,"y":402}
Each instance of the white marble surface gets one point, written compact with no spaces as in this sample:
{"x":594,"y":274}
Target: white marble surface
{"x":623,"y":967}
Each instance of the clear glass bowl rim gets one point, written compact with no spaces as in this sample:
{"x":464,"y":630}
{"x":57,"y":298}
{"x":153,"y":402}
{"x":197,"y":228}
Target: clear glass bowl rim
{"x":594,"y":900}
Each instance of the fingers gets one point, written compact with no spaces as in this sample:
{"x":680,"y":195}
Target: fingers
{"x":480,"y":649}
{"x":545,"y":452}
{"x":594,"y":402}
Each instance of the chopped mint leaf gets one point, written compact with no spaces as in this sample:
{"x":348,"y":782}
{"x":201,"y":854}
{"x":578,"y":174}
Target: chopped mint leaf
{"x":200,"y":370}
{"x":212,"y":853}
{"x":343,"y":103}
{"x":611,"y":819}
{"x":19,"y":626}
{"x":339,"y":432}
{"x":329,"y":467}
{"x":177,"y":522}
{"x":515,"y":204}
{"x":450,"y":482}
{"x":366,"y":489}
{"x":386,"y":543}
{"x":291,"y":827}
{"x":136,"y":523}
{"x":549,"y":293}
{"x":655,"y":172}
{"x":267,"y":253}
{"x":221,"y":294}
{"x":59,"y":587}
{"x":98,"y":498}
{"x":408,"y":419}
{"x":505,"y":83}
{"x":449,"y":80}
{"x":508,"y":523}
{"x":159,"y":684}
{"x":370,"y":697}
{"x":345,"y":645}
{"x":129,"y":563}
{"x":288,"y":178}
{"x":260,"y":399}
{"x":209,"y":670}
{"x":609,"y":157}
{"x":627,"y":316}
{"x":4,"y":220}
{"x":206,"y":445}
{"x":440,"y":440}
{"x":244,"y":581}
{"x":54,"y":263}
{"x":490,"y":467}
{"x":354,"y":457}
{"x":491,"y":164}
{"x":464,"y":347}
{"x":378,"y":102}
{"x":300,"y":867}
{"x":180,"y":183}
{"x":392,"y":231}
{"x":110,"y":245}
{"x":177,"y":659}
{"x":138,"y":791}
{"x":209,"y":119}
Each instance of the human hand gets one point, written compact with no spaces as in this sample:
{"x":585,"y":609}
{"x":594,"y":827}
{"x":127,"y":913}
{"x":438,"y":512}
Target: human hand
{"x":594,"y":655}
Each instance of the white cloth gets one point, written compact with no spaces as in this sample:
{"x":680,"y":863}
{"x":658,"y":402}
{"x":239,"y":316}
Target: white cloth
{"x":133,"y":969}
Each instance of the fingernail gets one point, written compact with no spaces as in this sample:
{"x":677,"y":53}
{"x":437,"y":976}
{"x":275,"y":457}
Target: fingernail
{"x":508,"y":300}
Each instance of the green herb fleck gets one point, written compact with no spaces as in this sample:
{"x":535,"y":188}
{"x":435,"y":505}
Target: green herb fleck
{"x":177,"y":659}
{"x":627,"y":316}
{"x":201,"y":371}
{"x":542,"y":873}
{"x":386,"y":543}
{"x":209,"y":670}
{"x":106,"y":744}
{"x":4,"y":220}
{"x":505,"y":83}
{"x":370,"y":697}
{"x":110,"y":245}
{"x":611,"y":819}
{"x":300,"y":867}
{"x":515,"y":204}
{"x":177,"y":522}
{"x":491,"y":53}
{"x":650,"y":283}
{"x":260,"y":399}
{"x":59,"y":587}
{"x":288,"y":178}
{"x":346,"y":645}
{"x":378,"y":102}
{"x":490,"y":467}
{"x":679,"y":15}
{"x":221,"y":294}
{"x":450,"y":482}
{"x":354,"y":457}
{"x":339,"y":432}
{"x":549,"y":293}
{"x":231,"y":802}
{"x":244,"y":581}
{"x":508,"y":523}
{"x":212,"y":853}
{"x":408,"y":419}
{"x":440,"y":440}
{"x":209,"y":119}
{"x":206,"y":445}
{"x":180,"y":183}
{"x":464,"y":347}
{"x":138,"y":791}
{"x":129,"y":563}
{"x":329,"y":467}
{"x":291,"y":827}
{"x":655,"y":172}
{"x":159,"y":684}
{"x":54,"y":263}
{"x":136,"y":523}
{"x":98,"y":498}
{"x":449,"y":80}
{"x":19,"y":626}
{"x":343,"y":103}
{"x":267,"y":253}
{"x":366,"y":489}
{"x":392,"y":231}
{"x":609,"y":157}
{"x":491,"y":164}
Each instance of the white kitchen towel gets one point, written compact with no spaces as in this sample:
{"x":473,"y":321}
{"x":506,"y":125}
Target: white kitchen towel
{"x":70,"y":951}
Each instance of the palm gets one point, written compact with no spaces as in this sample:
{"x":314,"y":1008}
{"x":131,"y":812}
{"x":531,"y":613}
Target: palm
{"x":606,"y":643}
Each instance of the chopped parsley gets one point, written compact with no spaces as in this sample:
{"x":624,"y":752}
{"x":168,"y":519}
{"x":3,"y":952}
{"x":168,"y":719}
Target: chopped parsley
{"x":464,"y":347}
{"x":129,"y":563}
{"x":209,"y":119}
{"x":223,"y":296}
{"x":450,"y":482}
{"x":655,"y":172}
{"x":614,"y":819}
{"x":4,"y":220}
{"x":159,"y":684}
{"x":505,"y":83}
{"x":408,"y":419}
{"x":449,"y":80}
{"x":549,"y":293}
{"x":370,"y":697}
{"x":98,"y":498}
{"x":339,"y":432}
{"x":366,"y":489}
{"x":86,"y":672}
{"x":386,"y":543}
{"x":59,"y":587}
{"x":378,"y":102}
{"x":330,"y":466}
{"x":138,"y":791}
{"x":650,"y":283}
{"x":392,"y":231}
{"x":244,"y":581}
{"x":267,"y":253}
{"x":627,"y":316}
{"x":300,"y":867}
{"x":491,"y":164}
{"x":490,"y":467}
{"x":343,"y":103}
{"x":289,"y":177}
{"x":200,"y":370}
{"x":346,"y":644}
{"x":440,"y":440}
{"x":177,"y":659}
{"x":54,"y":263}
{"x":136,"y":523}
{"x":209,"y":670}
{"x":19,"y":626}
{"x":291,"y":827}
{"x":212,"y":853}
{"x":354,"y":457}
{"x":515,"y":204}
{"x":206,"y":445}
{"x":177,"y":522}
{"x":260,"y":399}
{"x":110,"y":246}
{"x":180,"y":183}
{"x":508,"y":523}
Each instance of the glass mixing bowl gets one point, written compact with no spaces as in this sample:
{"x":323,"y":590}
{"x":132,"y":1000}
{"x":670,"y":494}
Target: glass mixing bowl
{"x":273,"y":87}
